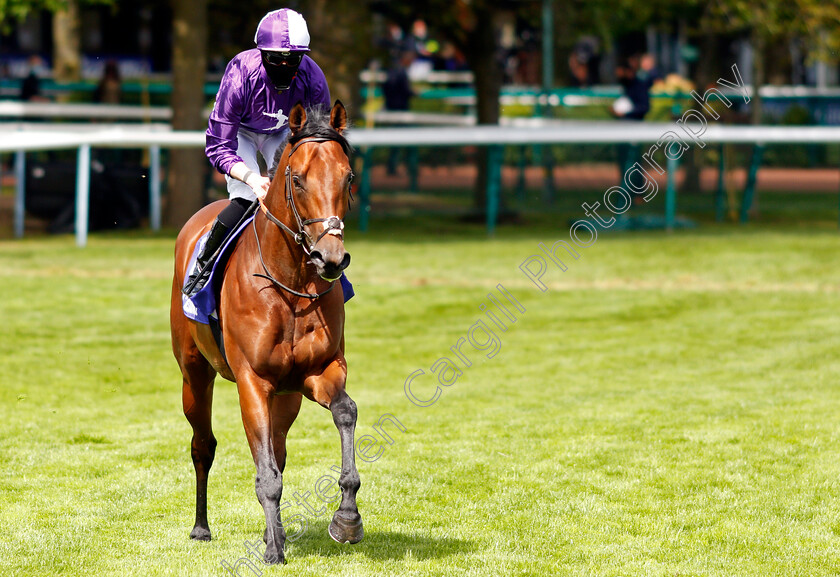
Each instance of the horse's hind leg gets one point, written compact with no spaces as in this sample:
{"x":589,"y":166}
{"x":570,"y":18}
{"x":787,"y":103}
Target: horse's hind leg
{"x":197,"y":396}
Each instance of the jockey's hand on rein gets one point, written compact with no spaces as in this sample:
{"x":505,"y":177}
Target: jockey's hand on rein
{"x":259,"y":184}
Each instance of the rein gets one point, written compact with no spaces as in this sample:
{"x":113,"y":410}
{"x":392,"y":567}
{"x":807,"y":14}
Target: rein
{"x":332,"y":225}
{"x":270,"y":277}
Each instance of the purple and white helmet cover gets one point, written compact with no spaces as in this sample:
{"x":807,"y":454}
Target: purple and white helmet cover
{"x":282,"y":30}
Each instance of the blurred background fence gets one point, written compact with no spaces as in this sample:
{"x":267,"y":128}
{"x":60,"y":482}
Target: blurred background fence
{"x":65,"y":191}
{"x":548,"y":66}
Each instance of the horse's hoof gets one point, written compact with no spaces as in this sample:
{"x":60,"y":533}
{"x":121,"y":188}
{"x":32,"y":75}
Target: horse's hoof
{"x":347,"y":530}
{"x":200,"y":533}
{"x":274,"y":557}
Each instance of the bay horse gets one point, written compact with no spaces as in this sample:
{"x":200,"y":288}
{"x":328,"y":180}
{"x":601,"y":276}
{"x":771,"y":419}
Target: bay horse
{"x":281,"y":313}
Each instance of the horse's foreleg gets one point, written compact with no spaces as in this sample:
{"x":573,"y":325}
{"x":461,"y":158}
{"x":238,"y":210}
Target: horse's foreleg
{"x":346,"y":526}
{"x":328,"y":390}
{"x":197,"y":397}
{"x":284,"y":411}
{"x":255,"y":402}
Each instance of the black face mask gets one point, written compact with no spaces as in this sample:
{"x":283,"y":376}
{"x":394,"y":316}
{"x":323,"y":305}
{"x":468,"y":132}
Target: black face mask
{"x":281,"y":75}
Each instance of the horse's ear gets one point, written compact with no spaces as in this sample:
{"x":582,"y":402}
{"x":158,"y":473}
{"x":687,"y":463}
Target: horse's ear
{"x":297,"y":118}
{"x":338,"y":117}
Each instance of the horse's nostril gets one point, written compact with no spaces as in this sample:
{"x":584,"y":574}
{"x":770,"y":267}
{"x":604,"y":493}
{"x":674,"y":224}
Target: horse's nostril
{"x":345,"y":262}
{"x":316,"y":256}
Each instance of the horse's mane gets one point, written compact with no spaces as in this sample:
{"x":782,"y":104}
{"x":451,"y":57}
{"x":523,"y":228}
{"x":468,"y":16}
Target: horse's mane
{"x":317,"y":125}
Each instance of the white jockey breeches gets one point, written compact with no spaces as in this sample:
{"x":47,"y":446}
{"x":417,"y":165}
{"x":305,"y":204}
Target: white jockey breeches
{"x":249,"y":144}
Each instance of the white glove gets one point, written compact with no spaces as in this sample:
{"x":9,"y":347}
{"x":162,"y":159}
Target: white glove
{"x":259,"y":184}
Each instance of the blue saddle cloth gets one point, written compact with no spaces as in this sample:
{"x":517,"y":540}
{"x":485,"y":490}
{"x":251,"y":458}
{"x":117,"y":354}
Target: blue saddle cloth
{"x":201,"y":307}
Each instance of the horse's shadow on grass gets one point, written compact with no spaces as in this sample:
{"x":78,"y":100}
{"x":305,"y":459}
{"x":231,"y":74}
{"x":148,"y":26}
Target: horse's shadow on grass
{"x":377,"y":544}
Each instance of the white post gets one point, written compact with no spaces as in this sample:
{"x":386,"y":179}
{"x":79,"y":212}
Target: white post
{"x":154,"y":186}
{"x":20,"y":192}
{"x":82,"y":194}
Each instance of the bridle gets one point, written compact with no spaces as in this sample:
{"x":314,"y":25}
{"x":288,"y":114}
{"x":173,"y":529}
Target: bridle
{"x":332,"y":225}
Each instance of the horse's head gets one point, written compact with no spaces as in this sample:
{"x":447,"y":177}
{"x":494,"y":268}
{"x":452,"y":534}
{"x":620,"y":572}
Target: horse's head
{"x":317,"y":178}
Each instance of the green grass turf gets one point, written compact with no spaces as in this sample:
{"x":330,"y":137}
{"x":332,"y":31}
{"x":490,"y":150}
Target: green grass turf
{"x":668,"y":407}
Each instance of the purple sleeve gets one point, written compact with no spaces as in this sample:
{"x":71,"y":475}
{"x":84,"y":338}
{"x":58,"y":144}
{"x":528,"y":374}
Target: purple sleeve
{"x":223,"y":126}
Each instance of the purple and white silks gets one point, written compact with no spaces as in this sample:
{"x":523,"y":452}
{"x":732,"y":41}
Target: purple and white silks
{"x":246,"y":99}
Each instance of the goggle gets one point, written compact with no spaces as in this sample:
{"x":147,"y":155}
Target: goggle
{"x":291,"y":59}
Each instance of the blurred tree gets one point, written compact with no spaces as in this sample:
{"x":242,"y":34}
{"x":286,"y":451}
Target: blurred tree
{"x":610,"y":20}
{"x":820,"y":27}
{"x":66,"y":29}
{"x":770,"y":22}
{"x":12,"y":11}
{"x":342,"y":44}
{"x":473,"y":26}
{"x":764,"y":20}
{"x":187,"y":167}
{"x":67,"y":54}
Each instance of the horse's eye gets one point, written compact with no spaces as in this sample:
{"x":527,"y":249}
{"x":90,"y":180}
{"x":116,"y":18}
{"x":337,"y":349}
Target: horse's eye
{"x":296,"y":180}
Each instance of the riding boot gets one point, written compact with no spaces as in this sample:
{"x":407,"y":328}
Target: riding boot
{"x":203,"y":265}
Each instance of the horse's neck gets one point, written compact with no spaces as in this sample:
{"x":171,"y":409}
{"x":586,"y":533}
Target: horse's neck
{"x":284,"y":258}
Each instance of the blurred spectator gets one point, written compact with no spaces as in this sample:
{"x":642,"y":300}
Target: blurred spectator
{"x":109,"y":89}
{"x":449,"y":59}
{"x":528,"y":58}
{"x":508,"y":41}
{"x":578,"y":70}
{"x":30,"y":88}
{"x":395,"y":43}
{"x":398,"y":93}
{"x":583,"y":62}
{"x":397,"y":88}
{"x":423,"y":48}
{"x":420,"y":42}
{"x":636,"y":74}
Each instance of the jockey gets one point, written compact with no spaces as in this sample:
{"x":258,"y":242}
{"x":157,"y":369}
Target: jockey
{"x":257,"y":92}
